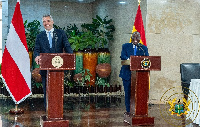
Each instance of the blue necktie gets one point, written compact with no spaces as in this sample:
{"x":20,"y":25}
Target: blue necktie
{"x":50,"y":39}
{"x":135,"y":50}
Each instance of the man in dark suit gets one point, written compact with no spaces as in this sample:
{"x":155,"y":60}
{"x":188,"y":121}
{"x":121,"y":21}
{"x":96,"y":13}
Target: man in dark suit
{"x":130,"y":49}
{"x":50,"y":41}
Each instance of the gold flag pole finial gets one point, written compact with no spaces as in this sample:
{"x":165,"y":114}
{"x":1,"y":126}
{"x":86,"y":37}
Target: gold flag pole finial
{"x":139,"y":2}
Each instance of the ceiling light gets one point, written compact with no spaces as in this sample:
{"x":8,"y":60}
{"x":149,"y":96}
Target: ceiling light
{"x":122,"y":2}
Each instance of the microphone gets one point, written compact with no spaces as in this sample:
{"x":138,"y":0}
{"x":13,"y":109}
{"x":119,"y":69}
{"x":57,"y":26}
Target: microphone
{"x":139,"y":45}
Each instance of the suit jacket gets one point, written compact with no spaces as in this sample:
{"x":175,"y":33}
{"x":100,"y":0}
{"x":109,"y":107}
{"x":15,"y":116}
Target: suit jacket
{"x":59,"y":43}
{"x":127,"y":51}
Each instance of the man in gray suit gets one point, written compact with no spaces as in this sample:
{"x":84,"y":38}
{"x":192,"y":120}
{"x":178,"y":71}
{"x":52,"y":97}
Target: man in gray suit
{"x":50,"y":41}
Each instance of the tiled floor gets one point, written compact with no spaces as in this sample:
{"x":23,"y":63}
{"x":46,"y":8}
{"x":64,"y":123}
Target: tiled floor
{"x":92,"y":111}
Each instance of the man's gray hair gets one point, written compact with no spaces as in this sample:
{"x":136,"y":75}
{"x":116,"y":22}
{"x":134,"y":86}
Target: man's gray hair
{"x":47,"y":16}
{"x":137,"y":33}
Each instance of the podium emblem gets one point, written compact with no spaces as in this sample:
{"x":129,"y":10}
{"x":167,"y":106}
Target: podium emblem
{"x":180,"y":108}
{"x":57,"y":61}
{"x":145,"y":63}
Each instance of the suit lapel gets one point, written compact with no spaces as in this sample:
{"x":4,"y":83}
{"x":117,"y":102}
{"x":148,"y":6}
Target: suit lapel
{"x":53,"y":39}
{"x":46,"y":41}
{"x":131,"y":49}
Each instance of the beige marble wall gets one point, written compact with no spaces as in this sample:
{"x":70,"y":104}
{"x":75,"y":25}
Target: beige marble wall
{"x":172,"y":32}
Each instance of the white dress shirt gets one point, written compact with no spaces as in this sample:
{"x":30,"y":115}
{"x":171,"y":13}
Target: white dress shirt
{"x":48,"y":33}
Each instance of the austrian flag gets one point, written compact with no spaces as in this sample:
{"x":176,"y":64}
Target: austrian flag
{"x":15,"y":67}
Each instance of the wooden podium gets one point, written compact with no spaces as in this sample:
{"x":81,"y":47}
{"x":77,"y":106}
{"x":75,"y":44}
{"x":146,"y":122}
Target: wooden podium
{"x":141,"y":67}
{"x":55,"y":64}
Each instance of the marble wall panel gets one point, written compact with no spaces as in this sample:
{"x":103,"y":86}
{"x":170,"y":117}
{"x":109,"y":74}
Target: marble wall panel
{"x":172,"y":32}
{"x":66,"y":13}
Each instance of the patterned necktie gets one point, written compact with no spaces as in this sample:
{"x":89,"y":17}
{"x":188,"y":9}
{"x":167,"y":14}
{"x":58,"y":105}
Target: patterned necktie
{"x":135,"y":50}
{"x":50,"y":39}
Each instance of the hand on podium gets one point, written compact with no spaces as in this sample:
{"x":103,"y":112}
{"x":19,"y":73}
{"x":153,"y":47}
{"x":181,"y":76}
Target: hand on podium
{"x":37,"y":60}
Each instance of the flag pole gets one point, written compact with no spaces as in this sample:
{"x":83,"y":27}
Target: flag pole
{"x":16,"y":107}
{"x":16,"y":110}
{"x":139,"y":1}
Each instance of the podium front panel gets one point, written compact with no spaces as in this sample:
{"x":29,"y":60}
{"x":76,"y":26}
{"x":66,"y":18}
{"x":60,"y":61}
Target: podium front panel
{"x":57,"y":61}
{"x":138,"y":63}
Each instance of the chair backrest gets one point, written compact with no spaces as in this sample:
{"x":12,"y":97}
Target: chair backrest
{"x":189,"y":71}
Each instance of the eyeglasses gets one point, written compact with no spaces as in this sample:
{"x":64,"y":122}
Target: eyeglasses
{"x":137,"y":37}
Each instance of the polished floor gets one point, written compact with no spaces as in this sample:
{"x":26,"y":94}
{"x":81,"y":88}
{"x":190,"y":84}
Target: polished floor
{"x":86,"y":111}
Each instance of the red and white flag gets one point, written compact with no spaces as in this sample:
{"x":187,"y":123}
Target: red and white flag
{"x":15,"y":67}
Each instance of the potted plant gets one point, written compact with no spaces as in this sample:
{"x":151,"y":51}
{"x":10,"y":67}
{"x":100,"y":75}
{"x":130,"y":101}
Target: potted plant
{"x":68,"y":83}
{"x":71,"y":30}
{"x":86,"y":41}
{"x":81,"y":79}
{"x":104,"y":85}
{"x":102,"y":29}
{"x":90,"y":54}
{"x":83,"y":40}
{"x":76,"y":41}
{"x":90,"y":40}
{"x":32,"y":29}
{"x":94,"y":36}
{"x":103,"y":71}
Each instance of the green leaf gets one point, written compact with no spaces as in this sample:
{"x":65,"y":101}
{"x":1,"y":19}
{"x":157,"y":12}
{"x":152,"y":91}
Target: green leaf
{"x":32,"y":29}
